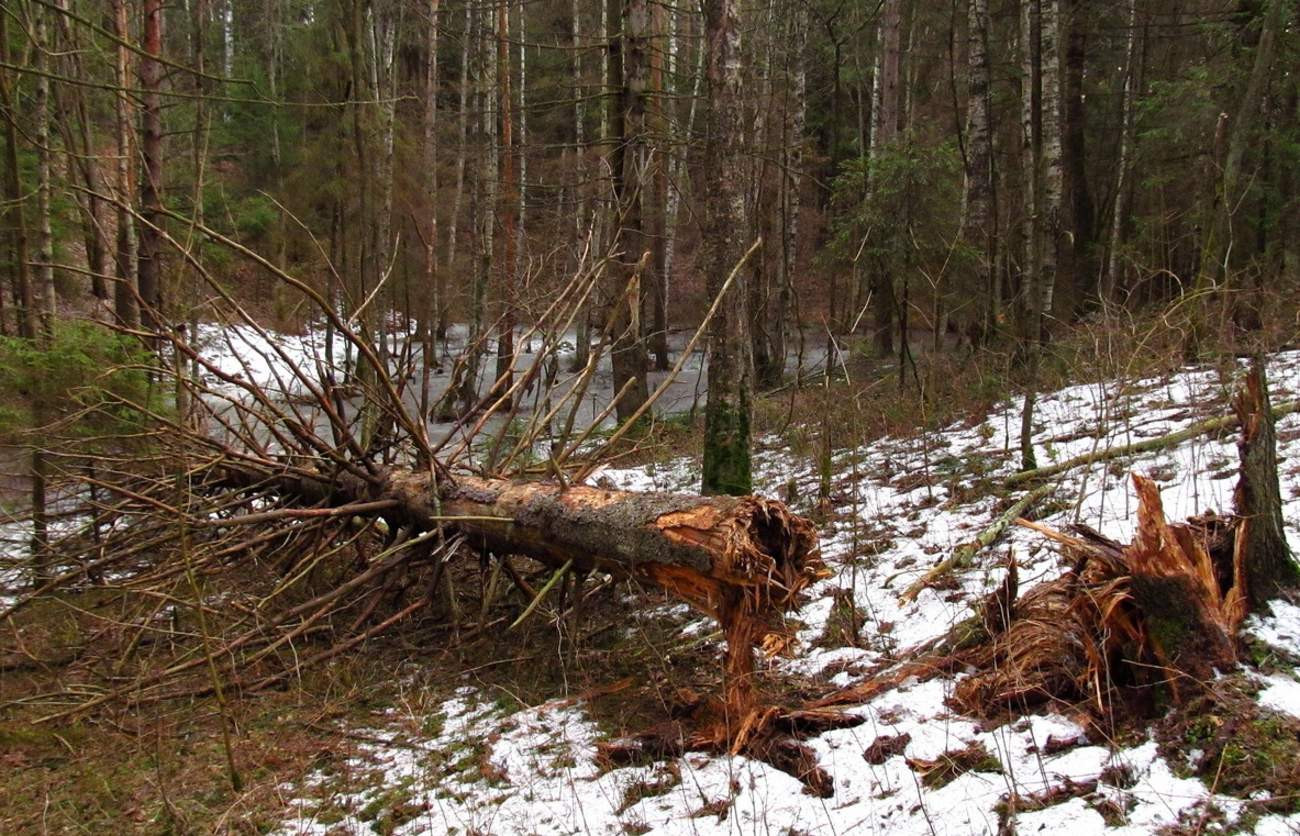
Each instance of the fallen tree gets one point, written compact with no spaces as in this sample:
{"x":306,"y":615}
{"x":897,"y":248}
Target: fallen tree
{"x":253,"y":535}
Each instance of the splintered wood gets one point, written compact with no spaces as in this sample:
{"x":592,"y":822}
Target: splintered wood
{"x":1158,"y":615}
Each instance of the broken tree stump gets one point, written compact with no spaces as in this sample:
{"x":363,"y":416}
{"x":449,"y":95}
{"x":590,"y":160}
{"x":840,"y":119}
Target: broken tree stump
{"x":1159,"y":615}
{"x":1261,"y":548}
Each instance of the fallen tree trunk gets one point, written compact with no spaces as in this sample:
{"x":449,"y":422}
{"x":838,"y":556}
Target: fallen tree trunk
{"x":1206,"y":427}
{"x":715,"y":552}
{"x":964,"y":554}
{"x":742,"y":560}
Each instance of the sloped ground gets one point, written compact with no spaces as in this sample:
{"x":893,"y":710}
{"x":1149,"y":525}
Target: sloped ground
{"x":472,"y":764}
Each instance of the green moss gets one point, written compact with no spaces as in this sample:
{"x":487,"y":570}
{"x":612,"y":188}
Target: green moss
{"x":728,"y":468}
{"x":1237,"y":748}
{"x":950,"y":765}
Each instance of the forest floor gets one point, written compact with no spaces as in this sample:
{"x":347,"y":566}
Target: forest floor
{"x":464,"y":753}
{"x":496,"y":732}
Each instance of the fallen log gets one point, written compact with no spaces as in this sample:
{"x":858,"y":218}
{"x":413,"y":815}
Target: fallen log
{"x":964,"y":554}
{"x":741,"y":560}
{"x":1221,"y":423}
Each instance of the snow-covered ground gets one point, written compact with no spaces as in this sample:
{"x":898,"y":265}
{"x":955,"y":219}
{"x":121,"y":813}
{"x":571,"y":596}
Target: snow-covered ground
{"x":906,"y":503}
{"x":283,"y":364}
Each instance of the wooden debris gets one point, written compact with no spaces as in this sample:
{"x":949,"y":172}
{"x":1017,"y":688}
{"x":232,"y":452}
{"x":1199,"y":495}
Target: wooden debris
{"x":1160,"y":614}
{"x":1219,"y":424}
{"x":964,"y":554}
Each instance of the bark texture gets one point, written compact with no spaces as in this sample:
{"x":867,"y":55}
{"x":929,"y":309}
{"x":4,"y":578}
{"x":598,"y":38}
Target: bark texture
{"x":727,"y":466}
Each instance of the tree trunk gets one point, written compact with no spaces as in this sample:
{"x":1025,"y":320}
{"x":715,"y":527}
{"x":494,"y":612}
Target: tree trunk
{"x":1111,"y":282}
{"x":727,"y":467}
{"x":1032,"y":283}
{"x":429,"y":313}
{"x":125,"y":292}
{"x":1260,"y":550}
{"x":462,"y":152}
{"x":981,"y":225}
{"x":792,"y":193}
{"x":151,"y":184}
{"x":44,"y":275}
{"x":508,"y":198}
{"x":884,"y":121}
{"x":1053,"y":170}
{"x":629,"y":75}
{"x":582,"y":185}
{"x":15,"y":203}
{"x":1082,"y":273}
{"x":658,"y":194}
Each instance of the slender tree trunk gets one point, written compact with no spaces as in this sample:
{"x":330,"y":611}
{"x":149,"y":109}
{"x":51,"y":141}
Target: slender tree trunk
{"x":521,"y":274}
{"x":432,"y":281}
{"x":658,"y":213}
{"x":582,"y":177}
{"x":1032,"y":271}
{"x":44,"y":275}
{"x":627,"y":82}
{"x":385,"y":34}
{"x":885,"y":114}
{"x":767,"y":368}
{"x":1052,"y":166}
{"x":729,"y":411}
{"x":1081,"y":251}
{"x":151,"y":183}
{"x":1111,"y":284}
{"x":125,"y":292}
{"x":509,"y":203}
{"x":462,"y":152}
{"x":792,"y":202}
{"x":981,"y":225}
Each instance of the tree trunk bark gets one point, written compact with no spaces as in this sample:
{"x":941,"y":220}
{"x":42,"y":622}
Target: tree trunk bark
{"x":1111,"y":282}
{"x":462,"y":152}
{"x":727,"y":466}
{"x":125,"y":303}
{"x":629,"y":75}
{"x":742,"y":560}
{"x":151,"y":185}
{"x":1031,"y":159}
{"x":508,"y":204}
{"x":1082,"y":273}
{"x":429,"y":313}
{"x":884,"y":122}
{"x":1260,"y":551}
{"x":44,"y":274}
{"x":582,"y":185}
{"x":981,"y":224}
{"x":658,"y":195}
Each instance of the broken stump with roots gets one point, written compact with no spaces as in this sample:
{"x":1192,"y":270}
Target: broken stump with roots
{"x":1126,"y":626}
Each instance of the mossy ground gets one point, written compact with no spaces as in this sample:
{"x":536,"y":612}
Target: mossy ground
{"x":1236,"y":748}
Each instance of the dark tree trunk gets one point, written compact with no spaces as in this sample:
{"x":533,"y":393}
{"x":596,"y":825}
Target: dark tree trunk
{"x":628,"y":79}
{"x":151,"y":183}
{"x":1261,"y":547}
